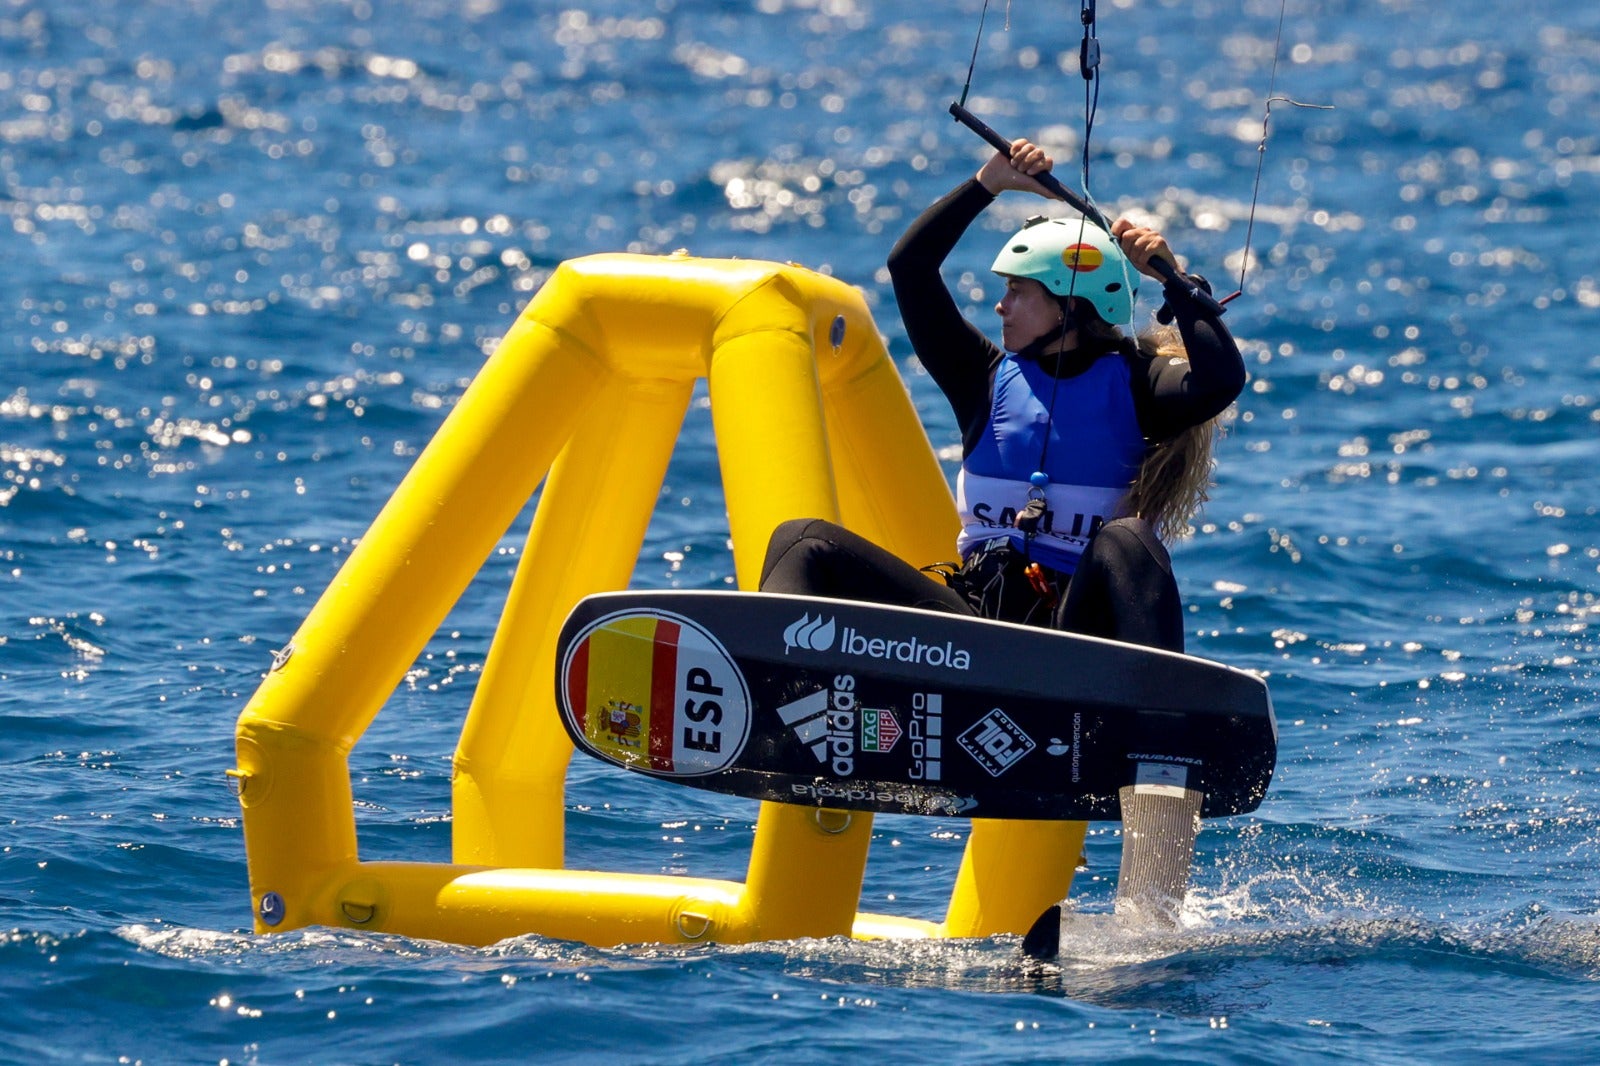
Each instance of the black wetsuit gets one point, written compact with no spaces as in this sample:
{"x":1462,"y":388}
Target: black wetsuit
{"x":1123,"y":587}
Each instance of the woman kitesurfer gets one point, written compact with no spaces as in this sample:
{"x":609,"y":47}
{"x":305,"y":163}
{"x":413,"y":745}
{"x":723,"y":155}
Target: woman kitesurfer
{"x":1082,"y":448}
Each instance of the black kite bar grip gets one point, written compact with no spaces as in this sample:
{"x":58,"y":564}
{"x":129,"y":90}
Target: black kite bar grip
{"x":1053,"y":186}
{"x":1048,"y":180}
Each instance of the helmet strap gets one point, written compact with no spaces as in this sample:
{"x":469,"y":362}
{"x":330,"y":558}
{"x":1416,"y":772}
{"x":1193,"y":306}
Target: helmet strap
{"x":1069,"y":321}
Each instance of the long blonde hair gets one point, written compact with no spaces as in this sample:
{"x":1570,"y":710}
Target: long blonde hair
{"x":1174,"y":479}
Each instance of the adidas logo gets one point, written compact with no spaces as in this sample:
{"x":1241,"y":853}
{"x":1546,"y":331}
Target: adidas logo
{"x":808,"y":634}
{"x":825,"y":722}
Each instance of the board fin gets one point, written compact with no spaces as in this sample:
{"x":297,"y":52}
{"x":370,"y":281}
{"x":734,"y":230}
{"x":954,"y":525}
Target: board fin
{"x":1043,"y":939}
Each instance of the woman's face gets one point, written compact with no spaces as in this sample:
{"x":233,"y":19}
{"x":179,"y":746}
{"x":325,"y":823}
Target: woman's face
{"x":1027,"y":312}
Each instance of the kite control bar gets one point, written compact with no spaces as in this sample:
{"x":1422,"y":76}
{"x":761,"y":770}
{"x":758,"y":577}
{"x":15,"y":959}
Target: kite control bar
{"x":1168,"y":272}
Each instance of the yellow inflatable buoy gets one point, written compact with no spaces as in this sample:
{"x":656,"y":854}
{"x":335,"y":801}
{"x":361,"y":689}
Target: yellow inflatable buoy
{"x":587,"y":394}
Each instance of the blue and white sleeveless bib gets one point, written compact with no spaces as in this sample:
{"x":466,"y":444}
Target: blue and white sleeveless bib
{"x":1093,"y":455}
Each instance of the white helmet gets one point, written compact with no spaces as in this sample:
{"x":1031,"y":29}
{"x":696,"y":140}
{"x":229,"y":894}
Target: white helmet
{"x":1073,"y":257}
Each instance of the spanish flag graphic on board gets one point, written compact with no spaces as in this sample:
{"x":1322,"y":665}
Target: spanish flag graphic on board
{"x":652,"y":690}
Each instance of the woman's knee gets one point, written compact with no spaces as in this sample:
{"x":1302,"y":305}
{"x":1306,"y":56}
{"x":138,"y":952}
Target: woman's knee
{"x":787,"y":535}
{"x":795,"y":539}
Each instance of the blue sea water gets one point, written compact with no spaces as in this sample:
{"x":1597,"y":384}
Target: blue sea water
{"x":253,"y":253}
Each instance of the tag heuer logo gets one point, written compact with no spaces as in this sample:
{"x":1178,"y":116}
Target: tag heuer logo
{"x":879,"y":730}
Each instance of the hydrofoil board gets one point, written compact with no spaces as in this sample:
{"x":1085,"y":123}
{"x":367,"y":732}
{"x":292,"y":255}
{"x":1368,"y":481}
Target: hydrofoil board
{"x":858,"y":706}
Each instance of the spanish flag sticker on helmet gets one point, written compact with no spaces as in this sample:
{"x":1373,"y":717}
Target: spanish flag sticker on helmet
{"x":654,"y":691}
{"x":1083,"y":258}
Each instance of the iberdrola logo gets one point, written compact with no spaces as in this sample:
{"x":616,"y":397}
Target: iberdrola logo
{"x":809,"y":634}
{"x":1083,"y":258}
